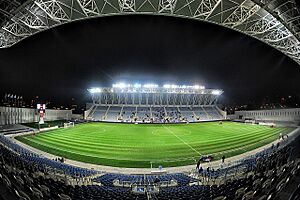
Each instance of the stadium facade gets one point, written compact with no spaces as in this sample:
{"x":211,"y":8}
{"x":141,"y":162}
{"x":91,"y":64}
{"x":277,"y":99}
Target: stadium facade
{"x":12,"y":115}
{"x":152,"y":103}
{"x":275,"y":22}
{"x":279,"y":116}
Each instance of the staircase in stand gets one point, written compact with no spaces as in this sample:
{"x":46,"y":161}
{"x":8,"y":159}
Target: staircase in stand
{"x":207,"y":115}
{"x":105,"y":115}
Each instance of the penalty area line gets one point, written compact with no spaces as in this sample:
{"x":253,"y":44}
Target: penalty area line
{"x":182,"y":140}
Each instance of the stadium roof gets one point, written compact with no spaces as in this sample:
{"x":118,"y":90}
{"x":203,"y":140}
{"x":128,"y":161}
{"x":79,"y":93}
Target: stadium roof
{"x":154,"y":88}
{"x":275,"y":22}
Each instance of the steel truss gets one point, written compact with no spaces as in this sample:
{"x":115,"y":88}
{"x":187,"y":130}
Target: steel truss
{"x":275,"y":22}
{"x":155,"y":97}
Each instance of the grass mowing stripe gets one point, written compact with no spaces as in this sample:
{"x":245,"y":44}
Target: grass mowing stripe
{"x":58,"y":141}
{"x":238,"y":145}
{"x":71,"y":151}
{"x":122,"y":150}
{"x":95,"y":147}
{"x":91,"y":159}
{"x":87,"y":142}
{"x":182,"y":140}
{"x":131,"y":145}
{"x":95,"y":151}
{"x":66,"y":142}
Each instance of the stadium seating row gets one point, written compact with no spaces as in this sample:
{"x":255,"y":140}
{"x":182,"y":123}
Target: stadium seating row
{"x":145,"y":114}
{"x":25,"y":155}
{"x":24,"y":180}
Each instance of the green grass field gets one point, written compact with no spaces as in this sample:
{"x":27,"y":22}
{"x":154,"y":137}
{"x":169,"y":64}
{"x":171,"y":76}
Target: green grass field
{"x":136,"y":145}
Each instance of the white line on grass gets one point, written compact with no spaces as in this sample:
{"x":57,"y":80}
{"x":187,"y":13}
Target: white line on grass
{"x":182,"y":140}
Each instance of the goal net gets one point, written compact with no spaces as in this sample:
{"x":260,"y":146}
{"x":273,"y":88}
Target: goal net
{"x":68,"y":124}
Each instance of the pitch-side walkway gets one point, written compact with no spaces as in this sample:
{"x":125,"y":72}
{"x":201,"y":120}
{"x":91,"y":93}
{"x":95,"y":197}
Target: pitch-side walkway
{"x":182,"y":169}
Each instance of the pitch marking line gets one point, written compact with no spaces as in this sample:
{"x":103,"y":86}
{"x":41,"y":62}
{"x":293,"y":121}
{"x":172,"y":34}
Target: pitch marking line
{"x":182,"y":140}
{"x":155,"y":132}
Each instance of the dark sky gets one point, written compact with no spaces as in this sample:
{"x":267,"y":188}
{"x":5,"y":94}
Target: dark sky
{"x":63,"y":62}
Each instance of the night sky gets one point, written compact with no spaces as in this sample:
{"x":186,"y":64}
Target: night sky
{"x":63,"y":62}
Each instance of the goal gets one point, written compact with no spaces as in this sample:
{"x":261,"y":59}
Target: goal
{"x":68,"y":124}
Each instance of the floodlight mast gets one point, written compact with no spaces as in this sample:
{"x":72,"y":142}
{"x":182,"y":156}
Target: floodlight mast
{"x":150,"y":94}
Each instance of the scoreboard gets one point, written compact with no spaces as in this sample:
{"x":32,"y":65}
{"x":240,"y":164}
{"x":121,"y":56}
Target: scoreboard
{"x":41,"y":109}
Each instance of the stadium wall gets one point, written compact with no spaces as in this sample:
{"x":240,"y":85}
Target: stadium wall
{"x":77,"y":116}
{"x":290,"y":116}
{"x":10,"y":115}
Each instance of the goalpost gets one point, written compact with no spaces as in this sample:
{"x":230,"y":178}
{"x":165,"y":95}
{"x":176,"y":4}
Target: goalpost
{"x":68,"y":124}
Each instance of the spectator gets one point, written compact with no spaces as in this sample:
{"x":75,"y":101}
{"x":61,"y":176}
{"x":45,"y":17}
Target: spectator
{"x":200,"y":170}
{"x":198,"y":164}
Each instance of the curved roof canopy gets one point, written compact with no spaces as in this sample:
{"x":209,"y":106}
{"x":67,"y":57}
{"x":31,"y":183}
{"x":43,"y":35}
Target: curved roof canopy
{"x":275,"y":22}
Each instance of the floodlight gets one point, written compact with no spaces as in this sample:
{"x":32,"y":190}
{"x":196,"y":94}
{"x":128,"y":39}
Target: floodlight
{"x":216,"y":92}
{"x":137,"y":85}
{"x":120,"y":85}
{"x":167,"y":86}
{"x":95,"y":90}
{"x":196,"y":87}
{"x":150,"y":86}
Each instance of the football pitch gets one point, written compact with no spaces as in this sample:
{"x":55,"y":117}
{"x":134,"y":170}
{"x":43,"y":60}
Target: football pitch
{"x":140,"y":145}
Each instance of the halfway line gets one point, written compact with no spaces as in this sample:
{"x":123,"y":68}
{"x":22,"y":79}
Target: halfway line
{"x":182,"y":140}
